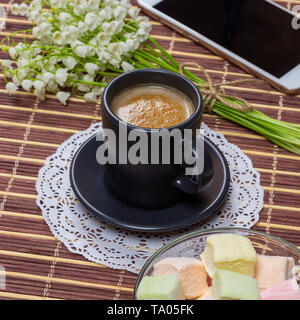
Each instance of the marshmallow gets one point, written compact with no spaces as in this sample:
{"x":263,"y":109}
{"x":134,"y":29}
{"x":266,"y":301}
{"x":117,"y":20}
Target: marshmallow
{"x":272,"y":270}
{"x":229,"y":252}
{"x":286,"y":290}
{"x":232,"y":285}
{"x":166,"y":287}
{"x":190,"y":271}
{"x":208,"y":295}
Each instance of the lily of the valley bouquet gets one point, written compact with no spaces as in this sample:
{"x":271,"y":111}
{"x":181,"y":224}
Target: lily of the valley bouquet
{"x":77,"y":46}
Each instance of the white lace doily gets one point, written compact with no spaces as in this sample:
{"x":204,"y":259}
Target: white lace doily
{"x":85,"y":234}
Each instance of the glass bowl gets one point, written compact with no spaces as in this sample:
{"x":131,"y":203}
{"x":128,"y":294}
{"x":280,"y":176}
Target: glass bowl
{"x":193,"y":244}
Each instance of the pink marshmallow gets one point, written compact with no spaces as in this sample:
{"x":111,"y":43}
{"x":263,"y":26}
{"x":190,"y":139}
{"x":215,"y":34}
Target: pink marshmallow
{"x":272,"y":270}
{"x":286,"y":290}
{"x":292,"y":295}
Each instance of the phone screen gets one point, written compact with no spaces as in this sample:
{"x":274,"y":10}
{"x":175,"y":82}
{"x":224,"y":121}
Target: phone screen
{"x":255,"y":30}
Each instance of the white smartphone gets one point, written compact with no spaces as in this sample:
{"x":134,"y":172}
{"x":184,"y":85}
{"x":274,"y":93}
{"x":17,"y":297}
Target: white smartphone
{"x":258,"y":35}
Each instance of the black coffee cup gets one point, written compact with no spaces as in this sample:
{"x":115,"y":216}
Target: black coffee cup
{"x":150,"y":185}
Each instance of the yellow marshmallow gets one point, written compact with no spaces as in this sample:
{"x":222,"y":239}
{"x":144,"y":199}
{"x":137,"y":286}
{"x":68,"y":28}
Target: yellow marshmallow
{"x":230,"y":252}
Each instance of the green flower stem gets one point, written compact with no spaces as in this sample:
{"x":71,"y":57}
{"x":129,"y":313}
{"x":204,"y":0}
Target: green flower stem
{"x":159,"y":62}
{"x":164,"y":52}
{"x":144,"y":61}
{"x":266,"y":122}
{"x":92,"y":83}
{"x":246,"y":122}
{"x":99,"y":73}
{"x":137,"y":65}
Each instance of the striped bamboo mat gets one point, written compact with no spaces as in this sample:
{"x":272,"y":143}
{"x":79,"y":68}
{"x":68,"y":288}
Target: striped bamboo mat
{"x":38,"y":265}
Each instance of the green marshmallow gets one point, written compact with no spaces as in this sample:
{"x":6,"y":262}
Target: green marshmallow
{"x":167,"y":287}
{"x":232,"y":285}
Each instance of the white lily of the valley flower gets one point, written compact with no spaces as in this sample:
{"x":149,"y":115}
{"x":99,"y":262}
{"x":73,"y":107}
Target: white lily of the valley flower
{"x":82,"y":27}
{"x":119,"y":13}
{"x":33,"y":15}
{"x":52,"y":85}
{"x":125,"y":3}
{"x":21,"y":74}
{"x":82,"y":51}
{"x":15,"y":9}
{"x":103,"y":38}
{"x":12,"y":52}
{"x":11,"y":87}
{"x":103,"y":56}
{"x":45,"y":28}
{"x":59,"y":38}
{"x":112,"y":27}
{"x":98,"y":90}
{"x":47,"y":77}
{"x":90,"y":96}
{"x":145,"y":26}
{"x":63,"y":96}
{"x":105,"y":13}
{"x":69,"y":62}
{"x":20,"y":46}
{"x":27,"y":84}
{"x":133,"y":12}
{"x":88,"y":77}
{"x":133,"y":44}
{"x":140,"y":19}
{"x":91,"y":68}
{"x":113,"y":47}
{"x":118,"y":26}
{"x":94,"y":4}
{"x":114,"y":62}
{"x":76,"y":44}
{"x":141,"y":35}
{"x":38,"y":85}
{"x":7,"y":74}
{"x":70,"y":34}
{"x":6,"y":63}
{"x":61,"y":76}
{"x":23,"y":9}
{"x":93,"y":42}
{"x":22,"y":62}
{"x":40,"y":19}
{"x":39,"y":89}
{"x":64,"y":17}
{"x":36,"y":32}
{"x":40,"y":94}
{"x":91,"y":20}
{"x":127,"y":66}
{"x":123,"y":48}
{"x":83,"y":87}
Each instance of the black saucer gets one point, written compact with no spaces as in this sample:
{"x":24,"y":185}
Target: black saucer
{"x":90,"y":187}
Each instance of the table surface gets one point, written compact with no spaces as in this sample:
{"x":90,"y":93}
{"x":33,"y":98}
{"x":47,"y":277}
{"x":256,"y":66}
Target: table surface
{"x":38,"y":266}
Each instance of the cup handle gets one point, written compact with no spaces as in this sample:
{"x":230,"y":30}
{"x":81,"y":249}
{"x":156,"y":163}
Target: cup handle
{"x":194,"y":185}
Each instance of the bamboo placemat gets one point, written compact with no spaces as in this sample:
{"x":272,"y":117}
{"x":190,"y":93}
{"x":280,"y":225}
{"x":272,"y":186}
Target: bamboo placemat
{"x":38,"y":265}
